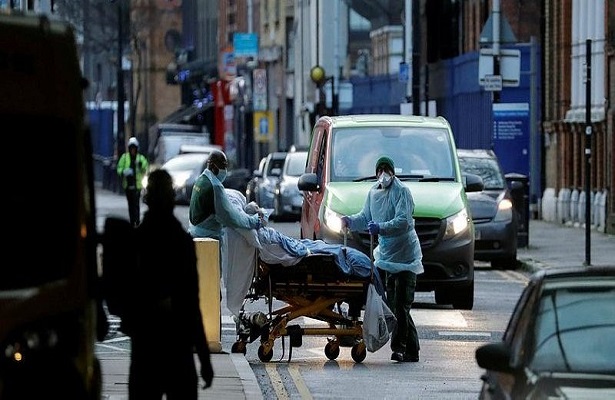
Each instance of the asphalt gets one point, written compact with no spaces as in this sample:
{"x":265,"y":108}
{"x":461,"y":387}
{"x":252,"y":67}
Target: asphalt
{"x":551,"y":245}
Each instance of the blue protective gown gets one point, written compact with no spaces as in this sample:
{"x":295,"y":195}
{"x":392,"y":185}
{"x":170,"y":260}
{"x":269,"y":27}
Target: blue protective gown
{"x":398,"y":246}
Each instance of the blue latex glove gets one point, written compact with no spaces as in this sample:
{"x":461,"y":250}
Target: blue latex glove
{"x":345,"y":222}
{"x":373,"y":228}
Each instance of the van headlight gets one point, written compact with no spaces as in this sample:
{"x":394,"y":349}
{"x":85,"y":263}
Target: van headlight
{"x":457,"y":223}
{"x":333,"y":220}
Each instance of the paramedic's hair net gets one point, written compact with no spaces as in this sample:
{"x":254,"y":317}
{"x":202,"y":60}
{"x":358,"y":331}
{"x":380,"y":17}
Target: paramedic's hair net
{"x":386,"y":161}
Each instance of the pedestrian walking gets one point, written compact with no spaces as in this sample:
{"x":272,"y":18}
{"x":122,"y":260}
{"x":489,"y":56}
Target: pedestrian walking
{"x":387,"y":214}
{"x":164,"y":320}
{"x":131,"y":168}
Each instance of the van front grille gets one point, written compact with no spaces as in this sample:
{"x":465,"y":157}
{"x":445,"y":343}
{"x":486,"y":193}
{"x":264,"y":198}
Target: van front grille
{"x":428,"y":230}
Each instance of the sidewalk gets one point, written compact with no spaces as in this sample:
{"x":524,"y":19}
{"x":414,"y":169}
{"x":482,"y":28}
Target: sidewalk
{"x":551,"y":245}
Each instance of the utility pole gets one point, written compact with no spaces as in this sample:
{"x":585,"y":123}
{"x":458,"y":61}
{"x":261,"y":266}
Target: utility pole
{"x":496,"y":46}
{"x":121,"y":140}
{"x":416,"y":58}
{"x":588,"y":148}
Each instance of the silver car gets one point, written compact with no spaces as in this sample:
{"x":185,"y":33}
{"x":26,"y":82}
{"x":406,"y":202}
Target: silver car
{"x":288,"y":199}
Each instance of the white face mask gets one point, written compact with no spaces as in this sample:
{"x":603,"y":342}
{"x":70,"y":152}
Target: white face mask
{"x":385,"y":179}
{"x":221,"y":175}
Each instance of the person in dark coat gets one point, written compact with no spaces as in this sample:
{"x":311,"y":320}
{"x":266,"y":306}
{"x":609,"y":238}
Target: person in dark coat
{"x":165,"y":324}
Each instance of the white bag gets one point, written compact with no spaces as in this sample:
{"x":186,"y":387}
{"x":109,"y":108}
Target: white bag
{"x":378,"y":321}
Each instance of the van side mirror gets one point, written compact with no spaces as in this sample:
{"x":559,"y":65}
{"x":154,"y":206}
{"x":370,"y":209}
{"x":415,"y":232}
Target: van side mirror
{"x":494,"y":357}
{"x":308,"y":182}
{"x":473,"y":183}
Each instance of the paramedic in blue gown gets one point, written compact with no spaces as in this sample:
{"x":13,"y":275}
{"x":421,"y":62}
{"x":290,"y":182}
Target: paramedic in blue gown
{"x":387,"y":213}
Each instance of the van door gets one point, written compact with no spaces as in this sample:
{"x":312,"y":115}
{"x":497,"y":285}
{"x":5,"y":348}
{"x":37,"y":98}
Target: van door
{"x":312,"y":200}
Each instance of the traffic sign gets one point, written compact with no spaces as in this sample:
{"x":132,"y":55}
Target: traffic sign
{"x":492,"y":83}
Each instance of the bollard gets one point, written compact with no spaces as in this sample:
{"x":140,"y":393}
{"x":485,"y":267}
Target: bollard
{"x":208,"y":266}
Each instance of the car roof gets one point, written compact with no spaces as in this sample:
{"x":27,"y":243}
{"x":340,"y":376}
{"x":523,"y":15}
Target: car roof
{"x":195,"y":148}
{"x":355,"y":121}
{"x":188,"y":156}
{"x":297,"y":154}
{"x":573,"y":272}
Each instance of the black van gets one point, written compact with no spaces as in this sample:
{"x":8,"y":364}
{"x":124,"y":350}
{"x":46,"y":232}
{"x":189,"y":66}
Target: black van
{"x":48,"y":279}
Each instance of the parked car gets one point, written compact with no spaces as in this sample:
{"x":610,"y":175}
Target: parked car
{"x":559,"y":341}
{"x":288,"y":198}
{"x":253,"y":182}
{"x":493,"y":213}
{"x":341,"y":169}
{"x":262,"y":185}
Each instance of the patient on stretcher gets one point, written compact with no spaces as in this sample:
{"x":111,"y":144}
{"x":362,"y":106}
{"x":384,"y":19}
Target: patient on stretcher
{"x":275,"y":247}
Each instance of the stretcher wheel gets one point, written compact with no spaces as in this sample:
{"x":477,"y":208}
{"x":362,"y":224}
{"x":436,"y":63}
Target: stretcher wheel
{"x":239,"y":347}
{"x":264,"y":357}
{"x":358,"y":352}
{"x":332,"y":351}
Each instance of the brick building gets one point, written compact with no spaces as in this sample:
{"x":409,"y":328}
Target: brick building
{"x":568,"y":25}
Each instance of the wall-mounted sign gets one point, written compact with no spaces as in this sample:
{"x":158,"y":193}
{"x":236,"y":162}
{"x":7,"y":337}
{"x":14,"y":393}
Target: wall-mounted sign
{"x":245,"y":45}
{"x":259,"y":89}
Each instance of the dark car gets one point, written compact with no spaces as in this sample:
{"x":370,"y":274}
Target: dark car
{"x":559,"y":341}
{"x":494,"y":216}
{"x":288,"y":198}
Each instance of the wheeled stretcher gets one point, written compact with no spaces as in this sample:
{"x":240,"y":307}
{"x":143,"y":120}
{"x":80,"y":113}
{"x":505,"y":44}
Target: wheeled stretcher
{"x":314,"y":288}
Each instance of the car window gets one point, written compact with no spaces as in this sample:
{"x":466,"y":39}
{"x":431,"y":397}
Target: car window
{"x":275,"y":166}
{"x":415,"y":151}
{"x":296,"y":164}
{"x":486,"y":168}
{"x":575,"y":330}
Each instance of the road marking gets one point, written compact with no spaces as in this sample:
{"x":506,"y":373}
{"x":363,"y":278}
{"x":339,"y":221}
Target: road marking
{"x":444,"y":318}
{"x":461,"y":334}
{"x":512,"y":276}
{"x":276,"y":381}
{"x":302,"y":388}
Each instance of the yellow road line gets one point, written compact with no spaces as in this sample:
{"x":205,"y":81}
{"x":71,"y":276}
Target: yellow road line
{"x":512,"y":276}
{"x":293,"y":370}
{"x":276,"y":381}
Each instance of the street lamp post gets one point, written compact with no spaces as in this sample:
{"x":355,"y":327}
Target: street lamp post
{"x":318,"y":76}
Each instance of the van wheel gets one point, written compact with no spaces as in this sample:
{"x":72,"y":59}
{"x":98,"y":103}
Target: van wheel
{"x":464,"y":297}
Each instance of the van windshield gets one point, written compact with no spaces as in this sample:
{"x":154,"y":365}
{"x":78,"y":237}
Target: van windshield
{"x":417,"y":152}
{"x":41,"y":215}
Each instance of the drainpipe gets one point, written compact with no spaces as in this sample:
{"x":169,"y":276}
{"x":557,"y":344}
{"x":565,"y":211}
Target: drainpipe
{"x":496,"y":45}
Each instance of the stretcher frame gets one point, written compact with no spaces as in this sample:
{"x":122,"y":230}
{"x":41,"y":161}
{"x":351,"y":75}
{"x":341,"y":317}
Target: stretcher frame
{"x":314,"y":288}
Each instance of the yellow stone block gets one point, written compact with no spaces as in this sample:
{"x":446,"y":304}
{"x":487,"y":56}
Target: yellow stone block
{"x":208,"y":266}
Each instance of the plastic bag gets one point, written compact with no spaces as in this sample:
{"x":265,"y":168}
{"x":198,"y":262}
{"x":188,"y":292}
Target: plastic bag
{"x":378,"y":321}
